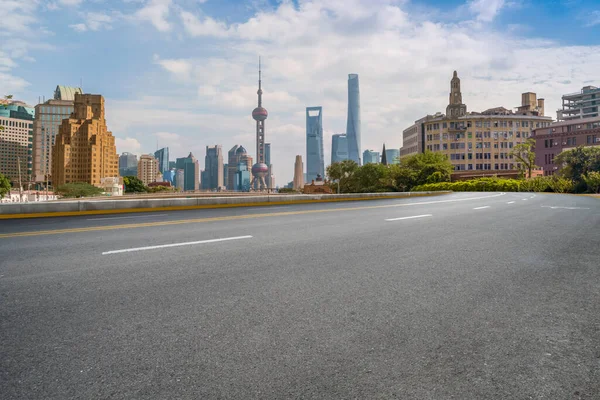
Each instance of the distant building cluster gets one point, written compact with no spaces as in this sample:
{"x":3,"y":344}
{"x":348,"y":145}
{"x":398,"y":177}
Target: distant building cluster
{"x":66,"y":139}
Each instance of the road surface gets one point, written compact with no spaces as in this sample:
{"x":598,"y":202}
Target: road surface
{"x":465,"y":296}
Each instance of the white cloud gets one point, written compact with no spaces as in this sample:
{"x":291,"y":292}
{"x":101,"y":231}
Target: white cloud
{"x":70,"y":2}
{"x":204,"y":27}
{"x":181,"y":69}
{"x":486,"y":10}
{"x":79,"y":27}
{"x":593,"y":18}
{"x":128,"y":144}
{"x":167,"y":136}
{"x":94,"y":21}
{"x":156,"y":12}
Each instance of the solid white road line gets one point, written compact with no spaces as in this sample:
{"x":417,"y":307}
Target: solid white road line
{"x":162,"y":246}
{"x":411,"y":217}
{"x":481,"y":208}
{"x":510,"y":202}
{"x":136,"y":216}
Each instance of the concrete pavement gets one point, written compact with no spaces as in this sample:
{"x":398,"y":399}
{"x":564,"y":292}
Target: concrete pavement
{"x":467,"y":296}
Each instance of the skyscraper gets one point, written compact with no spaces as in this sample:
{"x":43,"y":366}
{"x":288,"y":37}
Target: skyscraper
{"x":370,"y":157}
{"x":298,"y":173}
{"x":162,"y":156}
{"x":353,"y":125}
{"x":48,"y":117}
{"x":191,"y":172}
{"x":16,"y":141}
{"x":213,"y":167}
{"x":128,"y":163}
{"x":393,"y":156}
{"x":339,"y":147}
{"x":315,"y":161}
{"x":85,"y":150}
{"x":260,"y":114}
{"x":232,"y":161}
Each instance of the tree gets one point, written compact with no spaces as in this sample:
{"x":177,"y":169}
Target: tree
{"x":524,"y":153}
{"x":78,"y":189}
{"x":370,"y":178}
{"x":577,"y":162}
{"x":428,"y":167}
{"x":134,"y":185}
{"x":592,"y":180}
{"x":4,"y":186}
{"x":342,"y":172}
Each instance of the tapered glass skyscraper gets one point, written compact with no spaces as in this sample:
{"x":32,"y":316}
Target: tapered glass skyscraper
{"x":315,"y":161}
{"x":353,"y":124}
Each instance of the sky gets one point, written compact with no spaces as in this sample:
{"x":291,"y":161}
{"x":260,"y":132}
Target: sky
{"x":183,"y":73}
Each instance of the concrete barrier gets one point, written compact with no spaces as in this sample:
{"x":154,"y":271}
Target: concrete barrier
{"x":94,"y":207}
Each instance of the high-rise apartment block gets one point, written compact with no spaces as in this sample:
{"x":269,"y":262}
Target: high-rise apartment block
{"x":481,"y":141}
{"x":353,"y":130}
{"x":16,"y":141}
{"x":242,"y":178}
{"x":315,"y":160}
{"x":213,"y":168}
{"x":339,"y":147}
{"x":371,"y":157}
{"x":298,"y":182}
{"x":582,"y":104}
{"x":162,"y":155}
{"x":48,"y":117}
{"x":561,"y":136}
{"x":85,"y":150}
{"x":128,"y":164}
{"x":147,"y":169}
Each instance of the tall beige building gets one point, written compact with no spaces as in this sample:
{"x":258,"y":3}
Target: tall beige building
{"x":48,"y":117}
{"x":298,"y":173}
{"x":147,"y":169}
{"x":478,"y":143}
{"x":85,"y":150}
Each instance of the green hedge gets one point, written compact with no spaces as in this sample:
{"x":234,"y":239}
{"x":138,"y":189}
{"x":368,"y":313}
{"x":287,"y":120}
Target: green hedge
{"x":538,"y":184}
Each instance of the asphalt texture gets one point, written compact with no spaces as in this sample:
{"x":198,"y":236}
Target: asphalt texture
{"x":476,"y":296}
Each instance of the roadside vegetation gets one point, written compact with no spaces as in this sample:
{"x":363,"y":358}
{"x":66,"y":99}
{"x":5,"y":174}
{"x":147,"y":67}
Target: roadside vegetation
{"x":579,"y":172}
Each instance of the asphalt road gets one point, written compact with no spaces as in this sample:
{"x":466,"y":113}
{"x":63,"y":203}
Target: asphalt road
{"x":464,"y":296}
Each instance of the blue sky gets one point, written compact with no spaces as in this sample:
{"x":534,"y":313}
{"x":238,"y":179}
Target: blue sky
{"x":182,"y":73}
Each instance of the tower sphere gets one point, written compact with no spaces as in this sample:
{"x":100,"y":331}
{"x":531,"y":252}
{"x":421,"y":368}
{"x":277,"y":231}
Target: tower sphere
{"x":260,"y":114}
{"x":260,"y":170}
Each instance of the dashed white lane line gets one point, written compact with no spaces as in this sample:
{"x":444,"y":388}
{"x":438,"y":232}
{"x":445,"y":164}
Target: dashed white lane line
{"x":510,"y":202}
{"x":162,"y":246}
{"x":411,"y":217}
{"x":481,"y":208}
{"x":566,"y":208}
{"x":524,"y":199}
{"x":135,"y":216}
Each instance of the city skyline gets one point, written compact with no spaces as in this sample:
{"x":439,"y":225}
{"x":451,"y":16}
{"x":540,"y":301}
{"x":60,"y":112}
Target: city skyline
{"x":175,"y":98}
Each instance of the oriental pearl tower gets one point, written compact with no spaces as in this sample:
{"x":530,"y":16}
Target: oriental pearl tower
{"x":260,"y":169}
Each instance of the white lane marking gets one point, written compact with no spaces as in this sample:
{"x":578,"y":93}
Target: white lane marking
{"x":481,"y":208}
{"x":162,"y":246}
{"x":411,"y":217}
{"x":135,"y":216}
{"x":523,"y":199}
{"x":445,"y":201}
{"x":510,"y":202}
{"x":566,"y":208}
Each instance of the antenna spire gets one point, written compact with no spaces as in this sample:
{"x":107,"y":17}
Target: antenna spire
{"x":259,"y":83}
